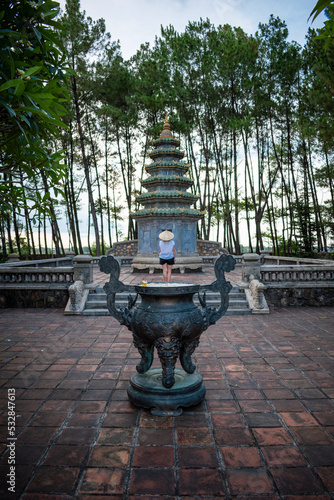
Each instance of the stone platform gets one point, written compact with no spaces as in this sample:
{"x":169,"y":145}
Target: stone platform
{"x":265,"y":429}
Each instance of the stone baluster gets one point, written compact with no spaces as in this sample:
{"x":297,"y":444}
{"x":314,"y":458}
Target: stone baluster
{"x":251,"y":265}
{"x":83,"y":268}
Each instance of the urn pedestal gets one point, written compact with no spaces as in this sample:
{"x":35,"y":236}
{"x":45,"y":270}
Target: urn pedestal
{"x":166,"y":319}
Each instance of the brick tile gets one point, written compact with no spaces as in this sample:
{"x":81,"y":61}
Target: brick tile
{"x":194,"y":436}
{"x":153,"y":456}
{"x":298,"y":419}
{"x":200,"y":482}
{"x":109,"y":456}
{"x":71,"y":456}
{"x":76,"y":435}
{"x":296,"y":481}
{"x":191,"y":456}
{"x":122,"y":406}
{"x":272,"y":436}
{"x":90,"y":406}
{"x":48,"y":419}
{"x":255,"y":406}
{"x":310,"y":394}
{"x":227,"y":420}
{"x":191,"y":420}
{"x":26,"y":454}
{"x":320,"y":455}
{"x":244,"y":456}
{"x":83,"y":420}
{"x":120,"y":420}
{"x":262,"y":419}
{"x":152,"y":435}
{"x":322,"y":405}
{"x":311,"y":435}
{"x":325,"y":417}
{"x":21,"y":480}
{"x":58,"y":406}
{"x":248,"y":394}
{"x":287,"y":405}
{"x":54,"y":480}
{"x":327,"y":476}
{"x":278,"y":394}
{"x":152,"y":482}
{"x":149,"y":420}
{"x":278,"y":456}
{"x":37,"y":435}
{"x":234,"y":437}
{"x":219,"y":406}
{"x":115,"y":436}
{"x":100,"y":481}
{"x":249,"y":482}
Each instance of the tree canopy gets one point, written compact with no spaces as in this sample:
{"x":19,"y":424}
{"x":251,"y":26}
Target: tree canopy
{"x":253,"y":112}
{"x":32,"y":89}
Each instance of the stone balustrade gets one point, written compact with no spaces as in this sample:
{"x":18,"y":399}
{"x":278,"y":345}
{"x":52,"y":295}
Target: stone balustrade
{"x":300,"y":273}
{"x":296,"y":261}
{"x":36,"y":275}
{"x":288,"y":281}
{"x":14,"y":261}
{"x":33,"y":284}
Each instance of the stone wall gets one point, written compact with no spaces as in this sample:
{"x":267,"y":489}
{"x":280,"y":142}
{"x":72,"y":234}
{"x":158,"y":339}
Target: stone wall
{"x":205,"y":247}
{"x":299,"y":296}
{"x":33,"y":298}
{"x":130,"y":248}
{"x":124,"y":249}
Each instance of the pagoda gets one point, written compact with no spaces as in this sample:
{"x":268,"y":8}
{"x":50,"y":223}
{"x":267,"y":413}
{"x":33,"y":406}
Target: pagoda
{"x":167,"y":206}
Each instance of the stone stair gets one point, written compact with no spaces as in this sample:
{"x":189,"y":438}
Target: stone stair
{"x":96,"y":304}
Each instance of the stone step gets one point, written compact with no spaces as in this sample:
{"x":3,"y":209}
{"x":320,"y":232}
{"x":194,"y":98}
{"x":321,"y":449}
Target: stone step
{"x":96,"y":304}
{"x":93,"y":302}
{"x":105,"y":312}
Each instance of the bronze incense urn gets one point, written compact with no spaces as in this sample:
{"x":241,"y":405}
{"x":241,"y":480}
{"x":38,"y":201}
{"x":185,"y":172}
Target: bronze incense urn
{"x":167,"y":319}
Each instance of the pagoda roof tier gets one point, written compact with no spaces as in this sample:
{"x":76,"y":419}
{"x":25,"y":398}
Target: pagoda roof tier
{"x":166,"y":151}
{"x":173,"y":179}
{"x":168,"y":163}
{"x":166,"y":140}
{"x":168,"y":212}
{"x":159,"y":194}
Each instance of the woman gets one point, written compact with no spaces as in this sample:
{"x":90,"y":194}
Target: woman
{"x":167,"y":254}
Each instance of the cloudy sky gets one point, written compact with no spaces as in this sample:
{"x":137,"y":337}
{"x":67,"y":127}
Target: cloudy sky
{"x":134,"y":22}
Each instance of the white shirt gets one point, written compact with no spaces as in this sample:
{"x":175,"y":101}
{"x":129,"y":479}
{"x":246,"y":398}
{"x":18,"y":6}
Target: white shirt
{"x":166,"y":249}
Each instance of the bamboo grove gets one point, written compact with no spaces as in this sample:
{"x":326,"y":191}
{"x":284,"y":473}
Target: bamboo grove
{"x":253,"y":112}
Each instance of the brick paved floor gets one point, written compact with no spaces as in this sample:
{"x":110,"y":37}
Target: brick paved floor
{"x":265,"y":429}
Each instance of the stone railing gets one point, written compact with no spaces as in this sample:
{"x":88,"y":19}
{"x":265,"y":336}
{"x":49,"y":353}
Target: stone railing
{"x":56,"y":262}
{"x":47,"y":284}
{"x":35,"y":275}
{"x":287,"y":283}
{"x":295,"y":261}
{"x":293,"y":274}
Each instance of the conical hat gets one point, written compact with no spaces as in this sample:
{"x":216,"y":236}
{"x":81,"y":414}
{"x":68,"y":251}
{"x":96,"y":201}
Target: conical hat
{"x":166,"y":235}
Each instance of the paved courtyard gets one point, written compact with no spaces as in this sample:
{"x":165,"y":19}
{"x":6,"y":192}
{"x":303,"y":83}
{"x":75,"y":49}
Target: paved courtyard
{"x":265,"y":429}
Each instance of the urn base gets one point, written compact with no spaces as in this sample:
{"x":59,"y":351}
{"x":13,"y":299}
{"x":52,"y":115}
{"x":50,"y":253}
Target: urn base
{"x":147,"y":391}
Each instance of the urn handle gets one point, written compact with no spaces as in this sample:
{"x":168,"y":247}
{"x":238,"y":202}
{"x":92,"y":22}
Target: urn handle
{"x":110,"y":265}
{"x":224,"y":263}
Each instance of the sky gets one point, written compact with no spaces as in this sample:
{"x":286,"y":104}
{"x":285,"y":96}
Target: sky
{"x":134,"y":22}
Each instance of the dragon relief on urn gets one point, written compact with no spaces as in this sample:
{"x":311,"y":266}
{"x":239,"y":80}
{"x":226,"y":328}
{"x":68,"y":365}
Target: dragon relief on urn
{"x":166,"y":317}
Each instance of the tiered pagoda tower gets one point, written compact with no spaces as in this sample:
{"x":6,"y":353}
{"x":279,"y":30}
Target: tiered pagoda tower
{"x":167,"y":206}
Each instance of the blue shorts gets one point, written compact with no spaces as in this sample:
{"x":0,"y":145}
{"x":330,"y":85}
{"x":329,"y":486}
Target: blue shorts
{"x":170,"y":262}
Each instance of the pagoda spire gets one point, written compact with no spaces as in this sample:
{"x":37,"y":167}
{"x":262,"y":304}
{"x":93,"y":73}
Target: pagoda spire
{"x":166,"y":132}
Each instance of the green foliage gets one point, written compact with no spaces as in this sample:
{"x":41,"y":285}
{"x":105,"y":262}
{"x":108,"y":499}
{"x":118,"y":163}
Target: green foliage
{"x":32,"y":92}
{"x":103,"y":244}
{"x":326,"y":34}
